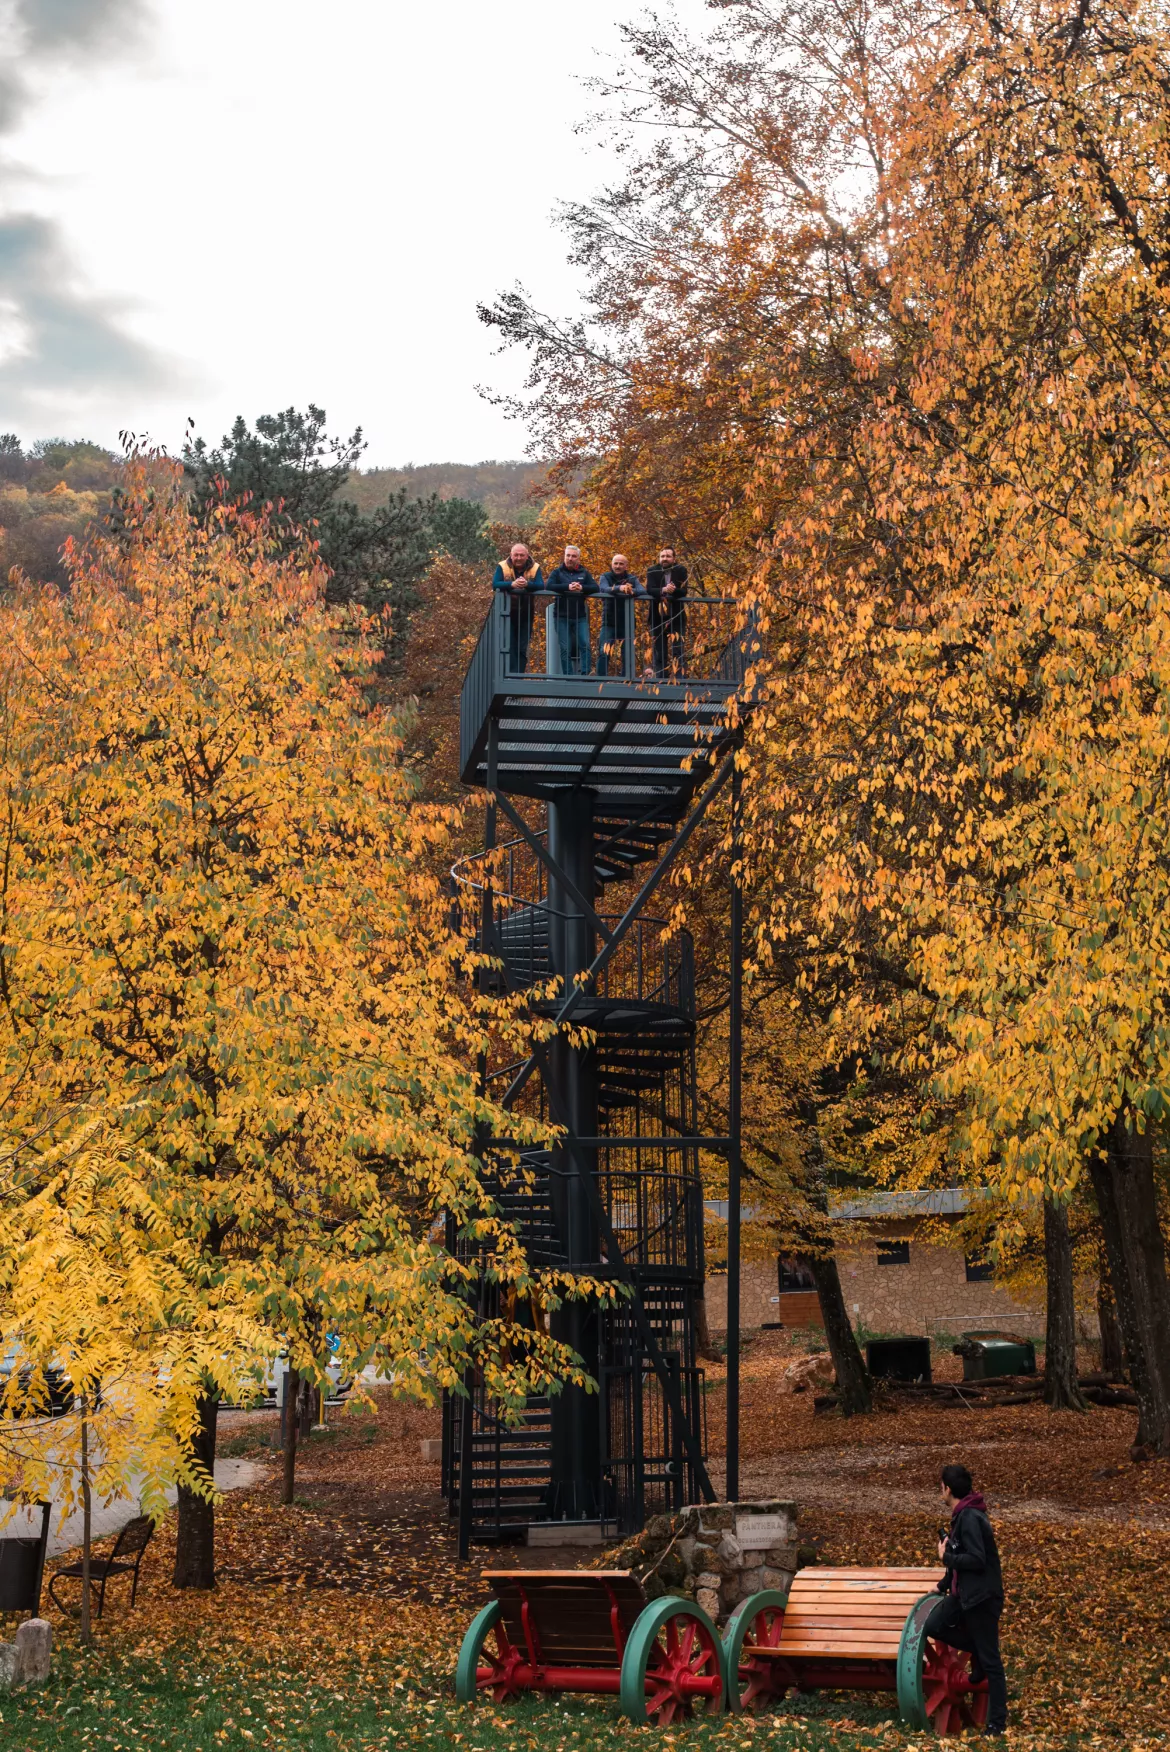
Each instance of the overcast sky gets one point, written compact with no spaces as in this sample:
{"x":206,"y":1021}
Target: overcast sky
{"x":220,"y":206}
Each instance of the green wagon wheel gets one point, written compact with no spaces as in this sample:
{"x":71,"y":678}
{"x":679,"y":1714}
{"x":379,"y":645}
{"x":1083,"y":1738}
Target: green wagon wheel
{"x":672,"y":1661}
{"x":935,"y":1688}
{"x":487,"y":1660}
{"x":751,"y":1679}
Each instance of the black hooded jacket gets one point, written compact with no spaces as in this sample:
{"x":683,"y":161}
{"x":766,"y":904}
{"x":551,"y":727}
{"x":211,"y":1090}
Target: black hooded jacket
{"x":972,"y":1556}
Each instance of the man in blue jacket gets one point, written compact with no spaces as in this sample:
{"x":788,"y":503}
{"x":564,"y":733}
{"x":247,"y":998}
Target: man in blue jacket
{"x":967,"y":1617}
{"x":572,"y":586}
{"x":520,"y":576}
{"x":617,"y":587}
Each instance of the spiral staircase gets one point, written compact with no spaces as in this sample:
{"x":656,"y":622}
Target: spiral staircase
{"x":625,"y":767}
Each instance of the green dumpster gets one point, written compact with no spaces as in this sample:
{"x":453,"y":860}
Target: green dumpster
{"x":984,"y":1357}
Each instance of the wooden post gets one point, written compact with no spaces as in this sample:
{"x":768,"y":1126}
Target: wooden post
{"x":466,"y":1429}
{"x":86,"y":1525}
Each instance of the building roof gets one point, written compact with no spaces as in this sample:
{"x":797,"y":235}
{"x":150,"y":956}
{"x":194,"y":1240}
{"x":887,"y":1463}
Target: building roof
{"x":940,"y":1201}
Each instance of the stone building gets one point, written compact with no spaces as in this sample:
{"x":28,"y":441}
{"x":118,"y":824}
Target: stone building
{"x":899,"y":1273}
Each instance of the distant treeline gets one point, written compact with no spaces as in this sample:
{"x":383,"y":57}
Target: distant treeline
{"x":379,"y":530}
{"x":504,"y":489}
{"x":48,"y":493}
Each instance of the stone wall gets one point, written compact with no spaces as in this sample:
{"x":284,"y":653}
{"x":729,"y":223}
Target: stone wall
{"x":713,"y":1553}
{"x":929,"y":1295}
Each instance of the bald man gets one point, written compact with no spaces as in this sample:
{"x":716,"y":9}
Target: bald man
{"x":617,"y":586}
{"x":520,"y":576}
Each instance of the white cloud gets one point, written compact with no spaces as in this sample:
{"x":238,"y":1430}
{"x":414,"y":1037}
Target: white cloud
{"x":63,"y":346}
{"x":302,"y":201}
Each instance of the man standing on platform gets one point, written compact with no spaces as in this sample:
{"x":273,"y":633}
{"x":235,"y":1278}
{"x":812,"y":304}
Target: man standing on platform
{"x":666,"y":583}
{"x":572,"y":585}
{"x":617,"y":586}
{"x":967,"y":1617}
{"x":520,"y":576}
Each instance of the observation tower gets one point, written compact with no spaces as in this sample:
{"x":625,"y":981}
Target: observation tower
{"x":595,"y":785}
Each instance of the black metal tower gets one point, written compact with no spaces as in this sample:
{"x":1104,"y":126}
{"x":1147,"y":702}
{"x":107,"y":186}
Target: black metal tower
{"x":626,"y":765}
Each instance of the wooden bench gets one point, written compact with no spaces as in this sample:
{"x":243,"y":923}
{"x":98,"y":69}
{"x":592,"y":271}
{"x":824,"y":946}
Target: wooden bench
{"x":852,"y":1630}
{"x":591,"y":1630}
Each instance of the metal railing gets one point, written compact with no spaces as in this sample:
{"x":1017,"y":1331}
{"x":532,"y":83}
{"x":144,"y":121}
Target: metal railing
{"x":695,"y":641}
{"x":657,"y":1214}
{"x":646,"y":1469}
{"x":654,"y":964}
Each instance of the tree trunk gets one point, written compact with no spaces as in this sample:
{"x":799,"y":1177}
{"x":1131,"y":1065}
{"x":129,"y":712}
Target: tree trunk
{"x":195,"y":1549}
{"x":290,"y":1420}
{"x":1060,"y":1352}
{"x":1112,"y":1354}
{"x":703,"y":1331}
{"x":1126,"y":1199}
{"x":853,"y":1384}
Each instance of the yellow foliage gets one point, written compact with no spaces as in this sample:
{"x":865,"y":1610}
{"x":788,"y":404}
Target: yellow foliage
{"x":224,"y":943}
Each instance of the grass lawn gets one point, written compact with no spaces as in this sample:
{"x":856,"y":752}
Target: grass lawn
{"x":183,"y":1703}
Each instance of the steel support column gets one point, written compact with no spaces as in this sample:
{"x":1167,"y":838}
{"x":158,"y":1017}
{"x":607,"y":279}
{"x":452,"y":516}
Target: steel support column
{"x":572,"y":1086}
{"x":735,"y":1153}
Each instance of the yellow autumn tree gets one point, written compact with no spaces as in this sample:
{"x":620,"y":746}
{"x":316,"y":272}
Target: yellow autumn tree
{"x":224,"y":935}
{"x":108,"y":1336}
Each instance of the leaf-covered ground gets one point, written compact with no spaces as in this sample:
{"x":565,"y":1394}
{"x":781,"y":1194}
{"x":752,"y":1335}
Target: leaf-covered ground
{"x":336,"y":1622}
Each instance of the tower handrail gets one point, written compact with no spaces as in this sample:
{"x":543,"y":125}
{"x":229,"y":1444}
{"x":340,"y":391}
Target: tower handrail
{"x":653,"y":658}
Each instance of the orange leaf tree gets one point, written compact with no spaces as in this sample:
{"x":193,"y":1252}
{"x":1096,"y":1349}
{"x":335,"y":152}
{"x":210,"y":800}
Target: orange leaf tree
{"x":901,"y":311}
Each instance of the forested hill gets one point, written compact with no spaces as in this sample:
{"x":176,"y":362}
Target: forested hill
{"x":386,"y":523}
{"x":502,"y":488}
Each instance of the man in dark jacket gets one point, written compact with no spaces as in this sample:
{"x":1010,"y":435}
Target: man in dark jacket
{"x":520,"y":576}
{"x":617,"y":586}
{"x":967,"y":1617}
{"x":666,"y":583}
{"x":572,"y":585}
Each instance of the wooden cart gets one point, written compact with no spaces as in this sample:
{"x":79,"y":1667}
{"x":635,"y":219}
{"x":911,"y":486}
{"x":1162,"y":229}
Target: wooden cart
{"x":592,"y":1630}
{"x":852,"y":1630}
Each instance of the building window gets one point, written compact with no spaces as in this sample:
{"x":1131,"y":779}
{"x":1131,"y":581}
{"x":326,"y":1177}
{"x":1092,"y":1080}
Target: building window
{"x":893,"y":1252}
{"x":979,"y":1271}
{"x":794,"y":1275}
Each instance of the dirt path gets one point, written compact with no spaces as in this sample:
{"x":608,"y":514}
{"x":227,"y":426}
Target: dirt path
{"x":843,"y":1478}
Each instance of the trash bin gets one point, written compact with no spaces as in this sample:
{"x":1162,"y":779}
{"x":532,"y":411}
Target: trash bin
{"x":985,"y":1357}
{"x":22,"y":1566}
{"x":898,"y":1359}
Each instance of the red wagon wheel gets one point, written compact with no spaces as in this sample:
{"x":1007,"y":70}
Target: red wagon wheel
{"x":951,"y":1699}
{"x":752,"y":1677}
{"x":488,"y":1661}
{"x":672,"y":1662}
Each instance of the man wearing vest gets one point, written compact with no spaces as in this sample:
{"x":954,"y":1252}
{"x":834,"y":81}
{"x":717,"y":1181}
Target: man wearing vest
{"x":520,"y":576}
{"x":967,"y":1616}
{"x":666,"y":583}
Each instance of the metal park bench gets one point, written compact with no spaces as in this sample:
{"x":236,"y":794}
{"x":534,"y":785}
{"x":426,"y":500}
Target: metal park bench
{"x":852,"y":1630}
{"x":124,"y":1560}
{"x":591,"y":1630}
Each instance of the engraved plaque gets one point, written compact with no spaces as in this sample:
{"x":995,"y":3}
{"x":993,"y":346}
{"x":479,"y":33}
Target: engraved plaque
{"x":758,"y":1532}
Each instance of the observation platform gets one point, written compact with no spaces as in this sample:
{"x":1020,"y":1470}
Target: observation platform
{"x":642,"y":738}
